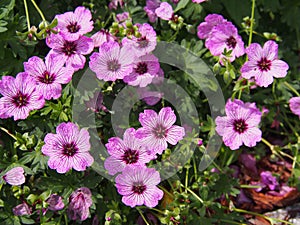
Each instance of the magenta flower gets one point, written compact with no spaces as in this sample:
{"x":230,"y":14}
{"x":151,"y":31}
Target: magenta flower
{"x":263,"y":64}
{"x":205,"y":28}
{"x":101,"y":37}
{"x":72,"y":25}
{"x":67,"y":149}
{"x":22,"y":209}
{"x":55,"y":202}
{"x":225,"y":36}
{"x":164,"y":11}
{"x":295,"y":105}
{"x":15,"y":176}
{"x":79,"y":203}
{"x":19,"y":96}
{"x":137,"y":184}
{"x":49,"y":75}
{"x":125,"y":152}
{"x":144,"y":70}
{"x":198,"y":1}
{"x":112,"y":62}
{"x":240,"y":125}
{"x":144,"y":44}
{"x":114,"y":4}
{"x":70,"y":52}
{"x":150,"y":97}
{"x":158,"y":130}
{"x":151,"y":6}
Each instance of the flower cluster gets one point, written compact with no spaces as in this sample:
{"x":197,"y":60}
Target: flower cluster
{"x":137,"y":183}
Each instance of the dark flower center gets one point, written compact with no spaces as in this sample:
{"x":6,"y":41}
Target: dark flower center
{"x":142,"y":68}
{"x":130,"y":156}
{"x":143,"y":42}
{"x":231,"y":42}
{"x":69,"y":48}
{"x":47,"y":78}
{"x":264,"y":64}
{"x":70,"y":149}
{"x":113,"y":65}
{"x":20,"y":99}
{"x":73,"y":27}
{"x":240,"y":126}
{"x":160,"y":131}
{"x":138,"y":188}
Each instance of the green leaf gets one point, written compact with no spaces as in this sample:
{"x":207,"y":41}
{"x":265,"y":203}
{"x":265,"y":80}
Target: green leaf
{"x":182,"y":4}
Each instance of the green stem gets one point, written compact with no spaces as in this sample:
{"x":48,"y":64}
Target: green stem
{"x":260,"y":215}
{"x":165,"y":190}
{"x":186,"y":179}
{"x":252,"y":22}
{"x":193,"y":193}
{"x":195,"y":169}
{"x":268,"y":144}
{"x":291,"y":88}
{"x":143,"y":217}
{"x":10,"y":134}
{"x":27,"y":15}
{"x":39,"y":10}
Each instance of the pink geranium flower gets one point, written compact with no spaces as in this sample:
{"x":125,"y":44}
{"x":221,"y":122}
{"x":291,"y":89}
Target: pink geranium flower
{"x":225,"y":36}
{"x":19,"y":96}
{"x":49,"y":75}
{"x":55,"y":202}
{"x":22,"y":210}
{"x":112,"y":62}
{"x":263,"y":64}
{"x":72,"y":25}
{"x":79,"y":204}
{"x":240,"y":125}
{"x":205,"y":28}
{"x":164,"y":11}
{"x":70,"y":52}
{"x":128,"y":151}
{"x":15,"y":176}
{"x":144,"y":70}
{"x":67,"y":149}
{"x":158,"y":129}
{"x":295,"y":105}
{"x":144,"y":44}
{"x":137,"y":184}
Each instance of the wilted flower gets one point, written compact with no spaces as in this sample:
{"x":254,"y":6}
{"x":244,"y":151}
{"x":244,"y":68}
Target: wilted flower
{"x":72,"y":25}
{"x":295,"y":105}
{"x":225,"y":36}
{"x":15,"y":176}
{"x":112,"y":62}
{"x":126,"y":151}
{"x":240,"y":125}
{"x":55,"y":202}
{"x":151,"y":6}
{"x":21,"y":210}
{"x":137,"y":184}
{"x":70,"y":52}
{"x":144,"y":70}
{"x":67,"y":149}
{"x":79,"y":203}
{"x":263,"y":64}
{"x":158,"y":129}
{"x":268,"y":180}
{"x":49,"y":75}
{"x":164,"y":11}
{"x":19,"y":96}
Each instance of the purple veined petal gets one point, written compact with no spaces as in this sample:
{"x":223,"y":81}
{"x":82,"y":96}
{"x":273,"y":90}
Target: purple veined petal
{"x":264,"y":79}
{"x":35,"y":66}
{"x":164,"y":11}
{"x":15,"y":176}
{"x":50,"y":91}
{"x":82,"y":160}
{"x":83,"y":140}
{"x":67,"y":131}
{"x":55,"y":202}
{"x":279,"y":68}
{"x":250,"y":69}
{"x":85,"y":45}
{"x":252,"y":136}
{"x":148,"y":118}
{"x":24,"y":83}
{"x":232,"y":140}
{"x":152,"y":197}
{"x":175,"y":134}
{"x":114,"y":165}
{"x":21,"y":210}
{"x":270,"y":50}
{"x":76,"y":61}
{"x":7,"y":86}
{"x":167,"y":117}
{"x":254,"y":52}
{"x":133,"y":200}
{"x":295,"y":105}
{"x":61,"y":164}
{"x":222,"y":123}
{"x":115,"y":146}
